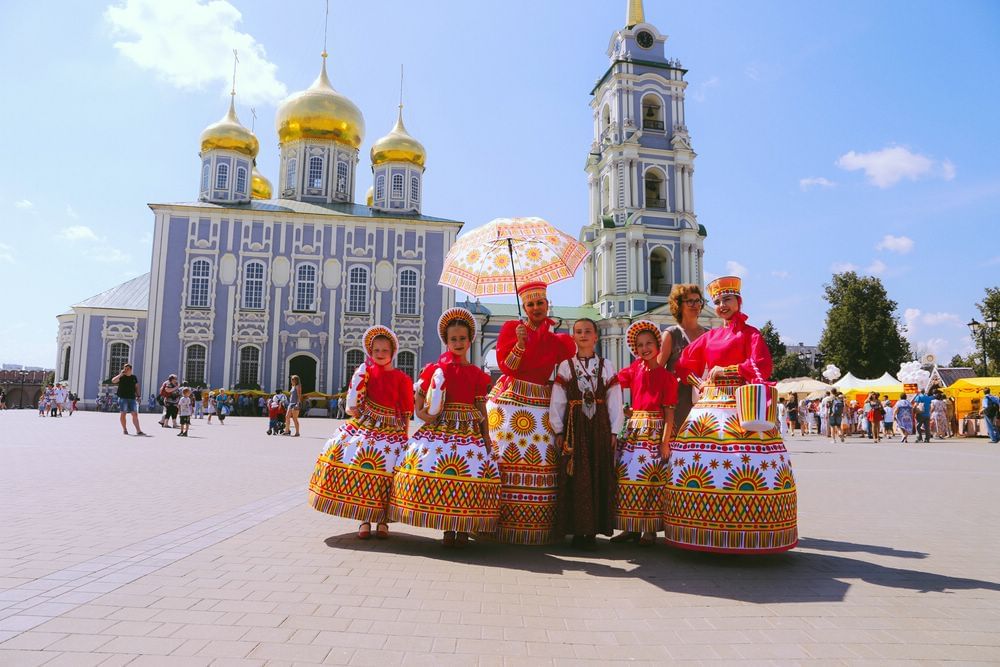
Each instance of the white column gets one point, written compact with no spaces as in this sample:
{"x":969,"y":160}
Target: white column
{"x":678,"y":190}
{"x":691,"y":188}
{"x":634,"y":169}
{"x":588,"y":280}
{"x":687,"y":189}
{"x":640,"y":267}
{"x":609,"y":267}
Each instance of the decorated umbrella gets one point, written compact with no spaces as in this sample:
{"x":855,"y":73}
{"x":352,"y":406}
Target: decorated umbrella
{"x":492,"y":259}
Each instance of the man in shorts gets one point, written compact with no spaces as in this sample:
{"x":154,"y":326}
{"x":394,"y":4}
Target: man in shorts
{"x":128,"y":393}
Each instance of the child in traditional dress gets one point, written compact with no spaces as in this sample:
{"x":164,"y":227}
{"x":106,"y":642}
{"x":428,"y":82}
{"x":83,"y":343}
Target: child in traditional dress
{"x":353,"y":475}
{"x":642,"y":457}
{"x":586,"y":416}
{"x":448,"y":479}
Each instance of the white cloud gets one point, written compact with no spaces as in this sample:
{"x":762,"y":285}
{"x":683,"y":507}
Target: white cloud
{"x":24,"y":204}
{"x":815,"y":181}
{"x":702,"y":88}
{"x":890,"y":165}
{"x":6,"y":254}
{"x":734,"y":268}
{"x":780,"y":274}
{"x":941,"y":318}
{"x":71,"y":212}
{"x":911,"y":316}
{"x":77,"y":233}
{"x":899,"y":244}
{"x":752,"y":72}
{"x":107,"y":254}
{"x":190,"y":43}
{"x":876,"y":268}
{"x":843,"y":267}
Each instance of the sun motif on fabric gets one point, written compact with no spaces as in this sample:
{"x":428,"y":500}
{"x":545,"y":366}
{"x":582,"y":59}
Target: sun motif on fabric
{"x":523,"y":422}
{"x":621,"y":470}
{"x":501,"y":261}
{"x":784,"y":479}
{"x":705,"y":426}
{"x":652,"y":473}
{"x":369,"y":458}
{"x":733,"y":428}
{"x":411,"y":461}
{"x":453,"y":465}
{"x":335,"y":452}
{"x":547,"y":424}
{"x":696,"y":476}
{"x":745,"y":478}
{"x":473,"y":257}
{"x":496,"y":416}
{"x":533,"y":254}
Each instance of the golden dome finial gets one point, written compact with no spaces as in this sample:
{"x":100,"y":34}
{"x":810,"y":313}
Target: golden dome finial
{"x":398,"y":146}
{"x":260,"y":187}
{"x":635,"y":14}
{"x":320,"y":112}
{"x":370,"y":196}
{"x":230,"y":135}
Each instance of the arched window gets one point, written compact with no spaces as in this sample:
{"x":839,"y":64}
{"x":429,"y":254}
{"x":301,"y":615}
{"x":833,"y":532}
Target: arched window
{"x":380,"y":188}
{"x":654,"y":189}
{"x":290,"y":173}
{"x":201,"y":273}
{"x":342,"y":177}
{"x":652,"y":113}
{"x":406,"y":361}
{"x":205,"y":168}
{"x":357,"y":286}
{"x":194,"y":364}
{"x":605,"y":118}
{"x":315,"y":172}
{"x":253,"y":286}
{"x":249,"y":366}
{"x":222,"y":177}
{"x":352,"y":360}
{"x":305,"y":287}
{"x":241,"y":180}
{"x":117,"y":357}
{"x":407,"y":301}
{"x":606,"y":195}
{"x":660,"y":272}
{"x":65,"y":373}
{"x":397,"y":186}
{"x":415,"y":189}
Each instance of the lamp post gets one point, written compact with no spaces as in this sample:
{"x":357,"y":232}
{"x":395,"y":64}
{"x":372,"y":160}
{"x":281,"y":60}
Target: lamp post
{"x":20,"y":404}
{"x":982,"y":329}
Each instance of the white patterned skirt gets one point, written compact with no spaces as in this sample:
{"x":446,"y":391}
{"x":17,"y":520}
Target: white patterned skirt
{"x":729,"y":490}
{"x":448,"y":478}
{"x":353,"y":475}
{"x":642,"y":474}
{"x":524,"y":445}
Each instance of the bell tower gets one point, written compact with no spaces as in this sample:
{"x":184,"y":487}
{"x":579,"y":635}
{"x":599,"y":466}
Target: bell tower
{"x":642,"y":230}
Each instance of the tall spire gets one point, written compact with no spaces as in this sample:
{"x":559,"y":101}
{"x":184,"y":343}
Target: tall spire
{"x":635,"y":13}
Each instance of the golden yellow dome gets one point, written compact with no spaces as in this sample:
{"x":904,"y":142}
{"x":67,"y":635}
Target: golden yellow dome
{"x":370,"y":196}
{"x":320,"y":112}
{"x":398,"y":146}
{"x":260,"y":187}
{"x":229,"y":135}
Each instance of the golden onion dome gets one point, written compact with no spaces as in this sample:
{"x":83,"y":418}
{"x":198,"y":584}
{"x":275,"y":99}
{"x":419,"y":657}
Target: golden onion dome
{"x":320,"y":112}
{"x":370,"y":196}
{"x":230,"y":135}
{"x":398,"y":146}
{"x":260,"y":187}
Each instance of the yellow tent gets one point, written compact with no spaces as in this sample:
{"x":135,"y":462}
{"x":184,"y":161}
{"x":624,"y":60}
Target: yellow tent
{"x":968,"y":393}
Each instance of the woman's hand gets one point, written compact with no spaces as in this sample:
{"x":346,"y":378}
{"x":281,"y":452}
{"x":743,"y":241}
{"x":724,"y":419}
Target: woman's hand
{"x":714,"y":372}
{"x":522,"y":336}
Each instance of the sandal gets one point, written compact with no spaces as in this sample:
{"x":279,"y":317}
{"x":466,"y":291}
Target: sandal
{"x":380,"y":532}
{"x":647,"y":540}
{"x":449,"y":539}
{"x":626,"y":536}
{"x":363,"y":532}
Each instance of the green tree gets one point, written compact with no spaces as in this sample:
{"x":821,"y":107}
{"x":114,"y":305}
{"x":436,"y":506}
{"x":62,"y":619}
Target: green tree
{"x":989,"y":311}
{"x":958,"y":361}
{"x":863,"y":333}
{"x":773,"y":340}
{"x":790,"y":365}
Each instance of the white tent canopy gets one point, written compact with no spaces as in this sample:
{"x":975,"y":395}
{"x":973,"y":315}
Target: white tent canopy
{"x":801,"y":385}
{"x":849,"y":381}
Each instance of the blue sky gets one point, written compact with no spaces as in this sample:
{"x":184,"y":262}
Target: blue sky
{"x":829,"y":135}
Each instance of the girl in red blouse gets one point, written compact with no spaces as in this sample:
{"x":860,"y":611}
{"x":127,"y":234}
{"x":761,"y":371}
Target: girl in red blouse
{"x":353,"y":475}
{"x":448,"y":478}
{"x":643,"y":452}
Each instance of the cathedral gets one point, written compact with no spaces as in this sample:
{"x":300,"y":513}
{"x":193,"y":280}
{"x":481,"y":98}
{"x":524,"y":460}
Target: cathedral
{"x":249,"y":285}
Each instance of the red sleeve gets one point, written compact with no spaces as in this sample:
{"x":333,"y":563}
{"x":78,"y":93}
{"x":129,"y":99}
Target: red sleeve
{"x":405,"y":393}
{"x":483,"y":385}
{"x":692,"y":360}
{"x":566,"y":347}
{"x":625,"y":377}
{"x":758,"y":355}
{"x":425,"y":377}
{"x":506,"y":340}
{"x":669,"y":394}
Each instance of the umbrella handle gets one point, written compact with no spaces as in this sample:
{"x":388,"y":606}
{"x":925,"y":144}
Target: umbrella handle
{"x":513,"y":271}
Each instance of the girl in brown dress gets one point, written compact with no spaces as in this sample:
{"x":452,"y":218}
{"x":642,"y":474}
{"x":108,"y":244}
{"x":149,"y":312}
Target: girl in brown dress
{"x":686,"y":303}
{"x":586,"y":414}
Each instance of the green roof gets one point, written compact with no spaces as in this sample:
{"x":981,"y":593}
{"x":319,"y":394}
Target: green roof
{"x":294,"y":206}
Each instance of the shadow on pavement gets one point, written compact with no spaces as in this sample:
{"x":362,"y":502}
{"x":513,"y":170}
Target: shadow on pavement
{"x":796,"y":576}
{"x":851,"y":547}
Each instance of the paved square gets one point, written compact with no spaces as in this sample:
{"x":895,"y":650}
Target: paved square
{"x":202,"y":551}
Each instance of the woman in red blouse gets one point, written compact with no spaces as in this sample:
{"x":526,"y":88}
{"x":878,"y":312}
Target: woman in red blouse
{"x":353,"y":476}
{"x":448,"y":478}
{"x":642,"y":453}
{"x":730,"y":491}
{"x":518,"y":408}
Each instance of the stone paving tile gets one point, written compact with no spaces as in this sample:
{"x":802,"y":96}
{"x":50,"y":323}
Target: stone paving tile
{"x":897,"y":569}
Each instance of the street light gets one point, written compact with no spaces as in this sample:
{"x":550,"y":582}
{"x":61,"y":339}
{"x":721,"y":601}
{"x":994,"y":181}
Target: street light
{"x":20,"y":404}
{"x":982,"y":329}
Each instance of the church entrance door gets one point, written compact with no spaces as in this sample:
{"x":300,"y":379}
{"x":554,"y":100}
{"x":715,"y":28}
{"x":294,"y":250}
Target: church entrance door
{"x":305,"y":368}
